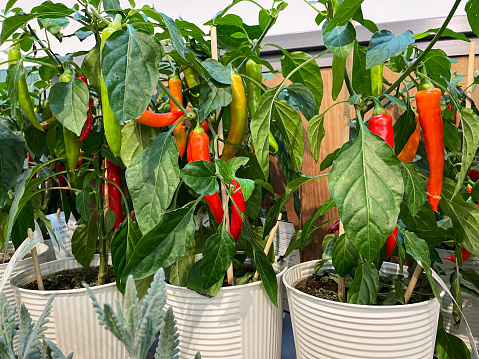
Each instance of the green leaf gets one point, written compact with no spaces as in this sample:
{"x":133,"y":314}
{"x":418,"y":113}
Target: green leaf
{"x":419,"y":250}
{"x":384,"y":44}
{"x":135,"y":138}
{"x":236,"y":162}
{"x":423,"y":224}
{"x":464,"y":216}
{"x":35,"y":140}
{"x":161,"y":246}
{"x":55,"y":25}
{"x":49,"y":8}
{"x":345,"y":256}
{"x":12,"y":24}
{"x":213,"y":95}
{"x":438,"y":66}
{"x":14,"y":72}
{"x":395,"y":101}
{"x":414,"y":196}
{"x":470,"y":139}
{"x":361,"y":78}
{"x":83,"y":204}
{"x":304,"y":98}
{"x":403,"y":129}
{"x":472,"y":11}
{"x":306,"y":232}
{"x":291,"y":127}
{"x":11,"y":166}
{"x":365,"y":182}
{"x":152,"y":179}
{"x":449,"y":346}
{"x":200,"y":176}
{"x":69,"y":104}
{"x":328,"y":160}
{"x":84,"y":242}
{"x":316,"y":134}
{"x":247,"y":187}
{"x":110,"y":219}
{"x":218,"y":71}
{"x":451,"y":137}
{"x":471,"y":276}
{"x":344,"y":12}
{"x":219,"y":251}
{"x":225,"y":169}
{"x":340,"y":39}
{"x":130,"y":71}
{"x":309,"y":75}
{"x":259,"y":128}
{"x":91,"y":69}
{"x":365,"y":286}
{"x":445,"y":33}
{"x":339,"y":67}
{"x":175,"y":36}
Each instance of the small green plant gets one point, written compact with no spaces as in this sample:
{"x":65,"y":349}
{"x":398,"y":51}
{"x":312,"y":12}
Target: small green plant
{"x":136,"y":325}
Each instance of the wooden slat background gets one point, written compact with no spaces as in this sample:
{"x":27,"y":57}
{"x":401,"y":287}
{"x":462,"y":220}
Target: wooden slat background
{"x":315,"y":192}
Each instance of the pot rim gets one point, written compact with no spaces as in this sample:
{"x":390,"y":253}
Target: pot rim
{"x":50,"y":292}
{"x":232,"y":288}
{"x":351,"y":305}
{"x":44,"y":249}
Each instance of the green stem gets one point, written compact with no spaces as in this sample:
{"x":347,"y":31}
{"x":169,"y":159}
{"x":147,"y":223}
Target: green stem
{"x":163,"y":47}
{"x":47,"y":50}
{"x":98,"y":16}
{"x":123,"y":197}
{"x":347,"y":81}
{"x":103,"y":246}
{"x":175,"y":198}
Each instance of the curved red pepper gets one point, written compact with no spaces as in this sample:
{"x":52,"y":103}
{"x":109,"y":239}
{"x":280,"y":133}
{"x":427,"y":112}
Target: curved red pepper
{"x":113,"y":174}
{"x":391,"y":243}
{"x":382,"y":125}
{"x":85,"y":131}
{"x":474,"y":175}
{"x":464,"y":253}
{"x":334,"y":227}
{"x":236,"y":221}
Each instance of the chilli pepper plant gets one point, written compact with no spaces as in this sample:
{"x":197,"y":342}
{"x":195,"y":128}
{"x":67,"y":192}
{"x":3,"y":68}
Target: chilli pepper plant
{"x":107,"y":143}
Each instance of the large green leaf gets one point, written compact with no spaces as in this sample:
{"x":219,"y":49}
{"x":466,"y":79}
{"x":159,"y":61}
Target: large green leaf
{"x":291,"y":127}
{"x":135,"y":137}
{"x":340,"y":39}
{"x":161,"y":246}
{"x":344,"y":12}
{"x":472,"y":10}
{"x":309,"y":75}
{"x":13,"y":144}
{"x":259,"y":128}
{"x":339,"y":67}
{"x":464,"y":216}
{"x":152,"y":179}
{"x":213,"y":95}
{"x":82,"y":202}
{"x":361,"y":79}
{"x":449,"y":346}
{"x":423,"y":224}
{"x":14,"y":72}
{"x":438,"y":66}
{"x":218,"y":71}
{"x":384,"y":44}
{"x":175,"y":36}
{"x":201,"y":177}
{"x":91,"y":69}
{"x":316,"y":134}
{"x":69,"y":104}
{"x":419,"y":250}
{"x":130,"y":71}
{"x":470,"y":139}
{"x":325,"y":207}
{"x":403,"y":129}
{"x":414,"y":196}
{"x":304,"y":98}
{"x":219,"y":251}
{"x":12,"y":24}
{"x":366,"y":184}
{"x":84,"y":242}
{"x":345,"y":256}
{"x":365,"y":286}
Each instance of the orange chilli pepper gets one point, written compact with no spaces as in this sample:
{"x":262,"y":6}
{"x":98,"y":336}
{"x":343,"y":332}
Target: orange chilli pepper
{"x":410,"y":148}
{"x":153,"y":119}
{"x":179,"y":131}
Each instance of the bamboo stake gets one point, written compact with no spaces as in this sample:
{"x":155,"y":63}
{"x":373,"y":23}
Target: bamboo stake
{"x":270,"y":241}
{"x":470,"y":70}
{"x":412,"y":283}
{"x":36,"y":264}
{"x":224,"y":195}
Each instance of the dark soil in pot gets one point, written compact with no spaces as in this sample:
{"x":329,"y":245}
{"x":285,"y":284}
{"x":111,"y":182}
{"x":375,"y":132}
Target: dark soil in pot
{"x":71,"y":279}
{"x":323,"y":286}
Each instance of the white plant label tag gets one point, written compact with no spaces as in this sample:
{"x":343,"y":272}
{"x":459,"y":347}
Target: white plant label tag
{"x":63,"y":232}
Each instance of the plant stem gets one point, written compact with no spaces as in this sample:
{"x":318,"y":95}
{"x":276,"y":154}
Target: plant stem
{"x":163,"y":47}
{"x":46,"y":49}
{"x":98,"y":16}
{"x":103,"y":245}
{"x":347,"y":81}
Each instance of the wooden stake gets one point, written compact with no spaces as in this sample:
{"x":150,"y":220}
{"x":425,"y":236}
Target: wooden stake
{"x":470,"y":70}
{"x":36,"y":264}
{"x":270,"y":241}
{"x":412,"y":283}
{"x":224,"y":195}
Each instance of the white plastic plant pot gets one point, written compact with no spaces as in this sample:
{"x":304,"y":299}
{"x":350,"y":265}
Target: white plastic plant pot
{"x":22,"y":265}
{"x":73,"y":324}
{"x":470,"y":304}
{"x":326,"y":329}
{"x":240,"y":322}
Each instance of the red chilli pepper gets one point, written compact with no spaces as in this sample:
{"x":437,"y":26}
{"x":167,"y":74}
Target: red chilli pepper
{"x":113,"y":174}
{"x":153,"y":119}
{"x":334,"y":227}
{"x":85,"y":132}
{"x":382,"y":125}
{"x":474,"y":175}
{"x":236,"y":221}
{"x":464,"y":253}
{"x":198,"y":151}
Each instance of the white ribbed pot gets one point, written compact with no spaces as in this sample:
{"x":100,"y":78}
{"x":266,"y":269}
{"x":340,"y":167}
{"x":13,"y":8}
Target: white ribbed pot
{"x":73,"y":324}
{"x":25,"y":263}
{"x":325,"y":329}
{"x":240,"y":322}
{"x":470,"y":304}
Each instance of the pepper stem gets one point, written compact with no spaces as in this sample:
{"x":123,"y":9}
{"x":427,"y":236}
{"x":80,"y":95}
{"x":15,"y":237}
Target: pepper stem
{"x":378,"y":108}
{"x":425,"y":84}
